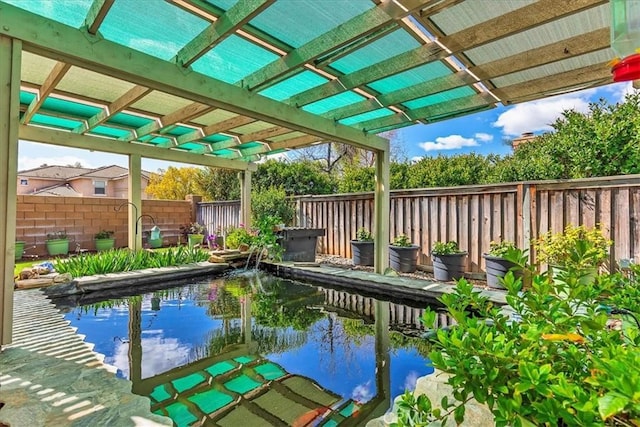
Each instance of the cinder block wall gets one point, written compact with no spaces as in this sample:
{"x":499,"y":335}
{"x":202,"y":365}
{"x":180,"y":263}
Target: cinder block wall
{"x":82,"y":217}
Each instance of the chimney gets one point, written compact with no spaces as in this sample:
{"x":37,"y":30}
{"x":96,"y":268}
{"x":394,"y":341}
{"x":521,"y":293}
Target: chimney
{"x":525,"y":137}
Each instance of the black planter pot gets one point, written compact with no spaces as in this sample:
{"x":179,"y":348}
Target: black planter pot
{"x":403,"y":258}
{"x":496,"y":268}
{"x":448,"y":267}
{"x":362,"y":252}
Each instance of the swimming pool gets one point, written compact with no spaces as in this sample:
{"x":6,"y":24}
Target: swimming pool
{"x":256,"y":350}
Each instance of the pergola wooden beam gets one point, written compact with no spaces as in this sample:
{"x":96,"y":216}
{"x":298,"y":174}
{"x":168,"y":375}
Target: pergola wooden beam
{"x":54,"y":77}
{"x":264,"y":134}
{"x":49,"y":38}
{"x":87,"y":142}
{"x":130,"y":97}
{"x":394,"y":65}
{"x":166,"y":122}
{"x":359,"y":26}
{"x":238,"y":15}
{"x":97,"y":12}
{"x":215,"y":128}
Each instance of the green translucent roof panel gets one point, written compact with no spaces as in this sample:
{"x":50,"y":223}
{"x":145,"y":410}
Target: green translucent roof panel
{"x":411,"y":77}
{"x":224,"y":152}
{"x":109,"y":131}
{"x":129,"y":120}
{"x":439,"y":97}
{"x":376,"y":114}
{"x":57,"y":122}
{"x":233,"y":59}
{"x":190,"y":146}
{"x":155,"y":27}
{"x":70,"y":12}
{"x":248,"y":145}
{"x":297,"y":22}
{"x":160,"y":140}
{"x":69,"y":107}
{"x":215,"y":138}
{"x":294,"y":85}
{"x":179,"y":130}
{"x":26,"y":97}
{"x":333,"y":102}
{"x":392,"y":44}
{"x":271,"y":153}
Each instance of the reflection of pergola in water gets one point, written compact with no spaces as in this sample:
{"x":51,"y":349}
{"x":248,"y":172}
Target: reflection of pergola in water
{"x":238,"y":386}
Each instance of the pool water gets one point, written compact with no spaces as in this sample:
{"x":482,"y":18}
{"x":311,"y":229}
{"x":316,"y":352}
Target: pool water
{"x":255,"y":350}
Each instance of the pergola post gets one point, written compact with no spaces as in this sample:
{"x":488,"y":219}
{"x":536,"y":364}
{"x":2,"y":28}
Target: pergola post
{"x":10,"y":58}
{"x":381,"y":210}
{"x":245,"y":198}
{"x":135,"y":201}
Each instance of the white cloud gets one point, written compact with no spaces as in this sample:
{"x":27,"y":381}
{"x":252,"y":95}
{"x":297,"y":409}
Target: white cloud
{"x":537,"y":116}
{"x":484,"y":137}
{"x":410,"y":380}
{"x":416,"y":159}
{"x":451,"y":142}
{"x":26,"y":162}
{"x":620,"y":90}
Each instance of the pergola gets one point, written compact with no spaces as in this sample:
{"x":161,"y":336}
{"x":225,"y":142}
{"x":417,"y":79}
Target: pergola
{"x":224,"y":83}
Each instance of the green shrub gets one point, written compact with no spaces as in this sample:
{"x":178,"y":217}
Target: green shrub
{"x":448,"y":248}
{"x":237,"y":236}
{"x":364,"y":235}
{"x":272,"y":202}
{"x":401,"y":240}
{"x":576,"y":247}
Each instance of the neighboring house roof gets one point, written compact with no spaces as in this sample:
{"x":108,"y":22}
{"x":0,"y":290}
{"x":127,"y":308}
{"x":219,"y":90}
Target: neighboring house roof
{"x":65,"y":190}
{"x":65,"y":173}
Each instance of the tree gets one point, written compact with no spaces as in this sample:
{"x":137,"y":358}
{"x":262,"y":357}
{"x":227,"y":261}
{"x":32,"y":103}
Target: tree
{"x":295,"y":178}
{"x":443,"y":171}
{"x":218,"y":184}
{"x":174,"y":183}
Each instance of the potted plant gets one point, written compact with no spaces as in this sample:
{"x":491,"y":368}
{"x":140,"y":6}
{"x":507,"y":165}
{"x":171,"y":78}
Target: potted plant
{"x":403,"y":254}
{"x":448,"y":261}
{"x":239,"y":238}
{"x":194,"y":233}
{"x":19,"y":245}
{"x":362,"y":248}
{"x":578,"y":248}
{"x":104,"y":240}
{"x":57,"y":243}
{"x":498,"y":261}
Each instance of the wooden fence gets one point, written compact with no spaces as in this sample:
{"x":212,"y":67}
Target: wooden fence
{"x":473,"y":215}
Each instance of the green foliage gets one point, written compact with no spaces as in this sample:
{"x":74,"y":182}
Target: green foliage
{"x":446,"y":171}
{"x":364,"y":235}
{"x":557,"y":362}
{"x":104,"y":234}
{"x":126,"y":260}
{"x":57,"y":235}
{"x":266,"y":240}
{"x":358,"y":179}
{"x":272,"y":202}
{"x":237,"y":236}
{"x":192,"y":228}
{"x":173,"y":183}
{"x":577,"y":247}
{"x":217,"y":184}
{"x":448,"y":248}
{"x":401,"y":240}
{"x":295,"y":178}
{"x":501,"y":248}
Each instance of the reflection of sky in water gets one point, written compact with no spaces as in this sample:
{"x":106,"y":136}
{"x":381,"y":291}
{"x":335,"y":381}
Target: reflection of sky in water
{"x":180,"y":331}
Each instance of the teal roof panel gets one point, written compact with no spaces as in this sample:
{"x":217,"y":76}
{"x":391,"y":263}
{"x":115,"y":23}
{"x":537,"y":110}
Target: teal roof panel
{"x":333,"y":102}
{"x":109,"y":131}
{"x":179,"y":130}
{"x":375,"y":114}
{"x":26,"y":97}
{"x":294,"y":85}
{"x":162,"y":35}
{"x":56,"y":122}
{"x":215,"y":138}
{"x":439,"y":97}
{"x":411,"y":77}
{"x":69,"y":12}
{"x":297,"y":22}
{"x":391,"y":45}
{"x":129,"y":120}
{"x":69,"y":107}
{"x":190,"y":146}
{"x":249,"y":145}
{"x":233,"y":59}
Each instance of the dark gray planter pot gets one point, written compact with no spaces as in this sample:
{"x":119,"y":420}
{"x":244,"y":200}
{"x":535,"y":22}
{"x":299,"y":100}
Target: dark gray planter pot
{"x":496,"y":268}
{"x":448,"y":267}
{"x":362,"y":252}
{"x":299,"y":244}
{"x":403,"y":258}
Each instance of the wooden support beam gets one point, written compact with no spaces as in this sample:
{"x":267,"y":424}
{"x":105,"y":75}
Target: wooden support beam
{"x":93,"y":143}
{"x":134,"y":197}
{"x":10,"y":63}
{"x":396,"y":64}
{"x":44,"y":36}
{"x":54,"y":77}
{"x":297,"y":142}
{"x":357,"y":27}
{"x":130,"y":97}
{"x":237,"y":16}
{"x":165,"y":123}
{"x":97,"y":12}
{"x":215,"y":128}
{"x":245,"y":198}
{"x":381,"y":208}
{"x":264,"y":134}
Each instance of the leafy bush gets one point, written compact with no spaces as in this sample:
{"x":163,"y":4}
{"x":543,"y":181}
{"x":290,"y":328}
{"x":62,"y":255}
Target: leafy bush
{"x":560,"y":360}
{"x":577,"y":247}
{"x":501,"y":248}
{"x":401,"y":240}
{"x":237,"y":236}
{"x":364,"y":235}
{"x":272,"y":202}
{"x":448,"y":248}
{"x":119,"y":260}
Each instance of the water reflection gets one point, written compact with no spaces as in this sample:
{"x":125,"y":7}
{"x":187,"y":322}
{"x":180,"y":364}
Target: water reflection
{"x":256,"y":346}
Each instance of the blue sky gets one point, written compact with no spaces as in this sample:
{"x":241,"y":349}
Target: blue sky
{"x":482,"y":133}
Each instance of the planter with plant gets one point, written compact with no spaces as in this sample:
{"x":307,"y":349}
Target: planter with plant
{"x":448,"y":261}
{"x":57,"y":243}
{"x":19,"y":247}
{"x":577,"y":248}
{"x":403,"y":255}
{"x":104,"y":240}
{"x":362,"y":248}
{"x":194,"y":233}
{"x":239,"y":238}
{"x":498,"y":261}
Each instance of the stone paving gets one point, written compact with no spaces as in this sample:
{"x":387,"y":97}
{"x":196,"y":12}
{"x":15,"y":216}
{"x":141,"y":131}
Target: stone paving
{"x":50,"y":377}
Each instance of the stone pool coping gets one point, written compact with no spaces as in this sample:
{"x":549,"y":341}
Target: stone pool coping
{"x":128,"y":279}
